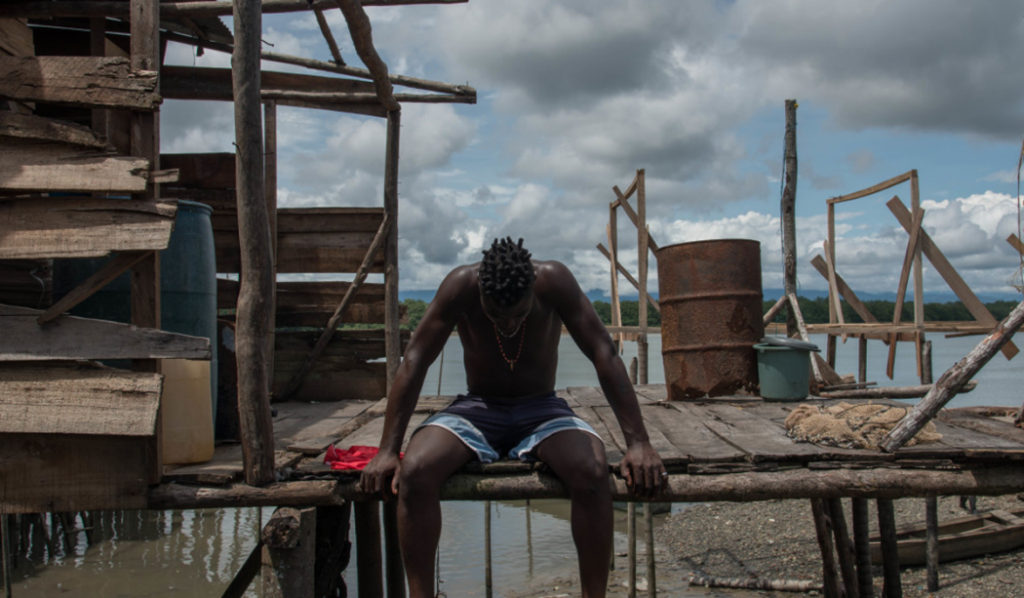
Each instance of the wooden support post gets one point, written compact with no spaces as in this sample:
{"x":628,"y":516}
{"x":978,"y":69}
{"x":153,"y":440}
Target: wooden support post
{"x":828,"y":559}
{"x":631,"y":548}
{"x":361,"y":32}
{"x":256,"y":288}
{"x":5,"y":553}
{"x":844,"y":547}
{"x":622,"y":270}
{"x":801,"y":329}
{"x":488,"y":571}
{"x":325,"y":28}
{"x":394,"y":569}
{"x":926,"y":362}
{"x":96,"y":281}
{"x":145,"y":143}
{"x":270,"y":174}
{"x":862,"y":359}
{"x":634,"y":367}
{"x":613,"y":246}
{"x":901,"y":291}
{"x":333,"y":549}
{"x":788,"y":209}
{"x":289,"y":553}
{"x":652,"y":584}
{"x":931,"y":517}
{"x":245,"y":575}
{"x":642,"y":241}
{"x":774,"y":310}
{"x":893,"y":586}
{"x":862,"y":547}
{"x":915,"y":205}
{"x":392,"y":333}
{"x":953,"y":380}
{"x":368,"y":560}
{"x":98,"y":47}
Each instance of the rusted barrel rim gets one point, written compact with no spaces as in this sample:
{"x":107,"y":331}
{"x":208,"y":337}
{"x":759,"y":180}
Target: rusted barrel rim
{"x":709,"y":295}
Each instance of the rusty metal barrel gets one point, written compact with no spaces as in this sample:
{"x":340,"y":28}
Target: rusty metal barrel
{"x":711,"y":304}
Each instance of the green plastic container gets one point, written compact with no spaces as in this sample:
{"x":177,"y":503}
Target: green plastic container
{"x":188,"y":285}
{"x":784,"y":372}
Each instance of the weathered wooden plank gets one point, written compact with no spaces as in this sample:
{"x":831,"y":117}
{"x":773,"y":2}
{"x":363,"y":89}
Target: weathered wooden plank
{"x":37,"y":128}
{"x":670,"y":455}
{"x":77,"y":398}
{"x":757,"y":436}
{"x":68,"y":473}
{"x":29,"y":166}
{"x":83,"y":227}
{"x":980,"y":423}
{"x":316,"y":302}
{"x":333,"y":380}
{"x":310,"y":220}
{"x":298,"y":252}
{"x":70,"y":337}
{"x":86,"y":81}
{"x":588,"y":396}
{"x":369,"y":435}
{"x":191,"y":83}
{"x":311,"y":420}
{"x":203,"y":171}
{"x":615,"y":448}
{"x":683,"y":428}
{"x":651,"y":393}
{"x":16,"y":37}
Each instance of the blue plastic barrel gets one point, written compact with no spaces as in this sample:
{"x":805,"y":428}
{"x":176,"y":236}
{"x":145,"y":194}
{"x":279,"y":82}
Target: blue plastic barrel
{"x":188,"y":284}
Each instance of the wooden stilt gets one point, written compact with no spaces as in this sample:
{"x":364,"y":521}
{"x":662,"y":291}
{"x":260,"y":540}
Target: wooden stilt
{"x":634,"y":368}
{"x":5,"y":553}
{"x":893,"y":586}
{"x":270,"y":188}
{"x":642,"y":257}
{"x":788,"y":209}
{"x":844,"y":547}
{"x":243,"y":579}
{"x":862,"y":548}
{"x":333,"y":549}
{"x":394,"y":569}
{"x":652,"y":584}
{"x":368,"y":559}
{"x":529,"y":541}
{"x":862,"y":359}
{"x":392,"y":332}
{"x":289,"y":551}
{"x":488,"y":571}
{"x":828,"y":559}
{"x":932,"y":542}
{"x":631,"y":549}
{"x":613,"y":247}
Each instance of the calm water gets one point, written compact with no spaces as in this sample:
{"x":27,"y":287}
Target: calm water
{"x":196,"y":553}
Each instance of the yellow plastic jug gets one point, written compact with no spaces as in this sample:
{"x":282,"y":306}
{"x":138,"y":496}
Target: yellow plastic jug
{"x":186,"y":411}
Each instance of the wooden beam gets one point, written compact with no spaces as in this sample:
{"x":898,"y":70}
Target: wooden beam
{"x":83,"y":227}
{"x":37,"y":128}
{"x":118,"y":265}
{"x":833,"y":289}
{"x":794,"y":308}
{"x":392,"y":333}
{"x":332,"y":324}
{"x":77,"y":398}
{"x":70,"y":337}
{"x":325,"y":29}
{"x":844,"y":290}
{"x":1014,"y":242}
{"x":330,"y":67}
{"x":800,"y":483}
{"x":949,"y":273}
{"x":16,"y":37}
{"x":47,"y":167}
{"x":901,"y":291}
{"x":202,"y":171}
{"x":87,"y":81}
{"x":362,"y":37}
{"x":771,"y":313}
{"x":889,"y":392}
{"x":188,"y":83}
{"x":316,"y":98}
{"x":788,"y":216}
{"x":623,"y":201}
{"x":256,"y":293}
{"x":289,"y":551}
{"x":896,"y":180}
{"x":953,"y":380}
{"x":175,"y":10}
{"x":629,"y":277}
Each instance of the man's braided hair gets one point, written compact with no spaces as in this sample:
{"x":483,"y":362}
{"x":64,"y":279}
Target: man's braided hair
{"x":506,"y":272}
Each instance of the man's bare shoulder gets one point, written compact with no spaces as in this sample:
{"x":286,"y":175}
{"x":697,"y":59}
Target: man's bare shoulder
{"x":460,"y":284}
{"x":555,"y":277}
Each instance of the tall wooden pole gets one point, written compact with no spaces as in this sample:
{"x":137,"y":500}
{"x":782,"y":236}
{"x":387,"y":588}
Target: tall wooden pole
{"x":256,"y":288}
{"x":145,"y":277}
{"x":641,"y":231}
{"x":270,"y":173}
{"x":613,"y":247}
{"x":789,"y":213}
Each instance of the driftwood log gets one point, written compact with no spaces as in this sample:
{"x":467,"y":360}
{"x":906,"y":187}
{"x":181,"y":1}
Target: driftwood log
{"x":775,"y":585}
{"x":889,"y":392}
{"x":751,"y":486}
{"x":951,"y":382}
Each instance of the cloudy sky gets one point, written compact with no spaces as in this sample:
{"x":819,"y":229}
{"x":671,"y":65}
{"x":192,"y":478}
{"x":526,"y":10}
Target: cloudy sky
{"x":576,"y":95}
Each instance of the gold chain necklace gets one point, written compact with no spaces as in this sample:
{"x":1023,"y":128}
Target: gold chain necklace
{"x":511,"y":362}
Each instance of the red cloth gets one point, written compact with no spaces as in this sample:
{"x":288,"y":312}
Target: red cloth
{"x":355,"y":457}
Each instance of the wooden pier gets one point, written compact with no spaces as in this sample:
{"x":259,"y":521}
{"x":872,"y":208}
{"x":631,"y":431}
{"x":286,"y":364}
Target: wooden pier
{"x":728,"y":448}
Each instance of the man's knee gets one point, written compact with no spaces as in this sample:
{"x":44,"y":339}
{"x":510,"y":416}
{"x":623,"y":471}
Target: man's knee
{"x":417,"y":475}
{"x":589,"y":476}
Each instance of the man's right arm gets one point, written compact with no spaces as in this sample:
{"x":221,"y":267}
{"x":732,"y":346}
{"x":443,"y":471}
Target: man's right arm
{"x":425,"y":345}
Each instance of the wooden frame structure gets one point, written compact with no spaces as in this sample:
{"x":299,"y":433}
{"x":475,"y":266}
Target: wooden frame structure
{"x":919,"y":243}
{"x":644,"y":243}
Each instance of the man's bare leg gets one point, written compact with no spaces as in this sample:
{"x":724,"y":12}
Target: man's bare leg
{"x":578,"y":459}
{"x":433,"y":455}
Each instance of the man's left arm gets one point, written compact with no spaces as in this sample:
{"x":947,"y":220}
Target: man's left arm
{"x":641,"y":466}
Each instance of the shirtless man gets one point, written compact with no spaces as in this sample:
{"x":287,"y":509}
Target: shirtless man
{"x":509,"y":311}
